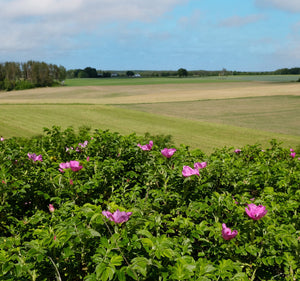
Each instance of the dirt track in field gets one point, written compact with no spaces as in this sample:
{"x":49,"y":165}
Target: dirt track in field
{"x":149,"y":93}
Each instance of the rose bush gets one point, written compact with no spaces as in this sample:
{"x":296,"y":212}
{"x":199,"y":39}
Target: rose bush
{"x":128,"y":213}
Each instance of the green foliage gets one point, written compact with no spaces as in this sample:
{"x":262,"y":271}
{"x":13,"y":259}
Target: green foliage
{"x":182,"y":72}
{"x":21,"y":76}
{"x":174,"y":232}
{"x":129,"y":73}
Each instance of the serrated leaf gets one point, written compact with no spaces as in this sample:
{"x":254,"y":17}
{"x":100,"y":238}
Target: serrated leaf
{"x":104,"y":272}
{"x":147,"y":243}
{"x":116,"y":260}
{"x":94,"y":233}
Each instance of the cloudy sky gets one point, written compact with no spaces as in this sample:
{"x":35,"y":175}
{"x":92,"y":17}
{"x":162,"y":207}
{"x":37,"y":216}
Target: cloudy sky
{"x":247,"y":35}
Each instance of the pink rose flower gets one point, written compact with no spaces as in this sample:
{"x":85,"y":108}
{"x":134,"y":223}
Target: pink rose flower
{"x":188,"y":171}
{"x":256,"y":212}
{"x":168,"y":152}
{"x":146,"y":146}
{"x":64,"y":166}
{"x":227,"y":233}
{"x":201,"y":165}
{"x":293,"y":154}
{"x":73,"y":165}
{"x":34,"y":157}
{"x":51,"y":208}
{"x":117,"y":216}
{"x":83,"y":145}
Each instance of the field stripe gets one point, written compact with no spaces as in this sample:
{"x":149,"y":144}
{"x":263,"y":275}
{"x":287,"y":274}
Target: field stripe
{"x":28,"y":120}
{"x":148,"y":93}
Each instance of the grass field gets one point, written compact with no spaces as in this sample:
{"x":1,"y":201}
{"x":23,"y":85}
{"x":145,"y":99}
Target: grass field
{"x":270,"y":113}
{"x":176,"y":80}
{"x":201,"y":115}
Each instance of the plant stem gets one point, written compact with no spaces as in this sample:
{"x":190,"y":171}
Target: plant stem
{"x":56,"y":269}
{"x":119,"y":249}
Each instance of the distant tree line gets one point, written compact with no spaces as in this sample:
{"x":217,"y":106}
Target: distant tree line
{"x":31,"y":74}
{"x":294,"y":70}
{"x":90,"y":72}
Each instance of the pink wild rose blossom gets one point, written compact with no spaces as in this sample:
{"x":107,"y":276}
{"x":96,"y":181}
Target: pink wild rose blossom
{"x":168,"y":152}
{"x":146,"y":146}
{"x":256,"y":212}
{"x":73,"y":165}
{"x":35,"y":157}
{"x":227,"y":233}
{"x":84,"y":144}
{"x":51,"y":208}
{"x":64,"y":166}
{"x":199,"y":165}
{"x":293,"y":154}
{"x":238,"y":151}
{"x":117,"y":216}
{"x":188,"y":171}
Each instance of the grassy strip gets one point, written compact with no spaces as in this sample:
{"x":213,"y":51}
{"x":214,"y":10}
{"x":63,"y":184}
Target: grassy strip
{"x":140,"y":81}
{"x":177,"y":80}
{"x":279,"y":114}
{"x":28,"y":120}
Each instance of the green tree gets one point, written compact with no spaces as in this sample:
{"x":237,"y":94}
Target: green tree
{"x":62,"y":73}
{"x":181,"y":72}
{"x":130,"y":73}
{"x":106,"y":74}
{"x":82,"y":74}
{"x":92,"y":72}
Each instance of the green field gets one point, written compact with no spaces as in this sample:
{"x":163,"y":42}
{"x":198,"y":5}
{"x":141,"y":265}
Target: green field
{"x":176,"y":80}
{"x":277,"y":114}
{"x":202,"y":115}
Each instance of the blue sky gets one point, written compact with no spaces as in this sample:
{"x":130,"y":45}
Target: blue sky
{"x":248,"y":35}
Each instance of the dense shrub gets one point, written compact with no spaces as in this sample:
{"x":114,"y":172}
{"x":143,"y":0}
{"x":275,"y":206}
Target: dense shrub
{"x":31,"y":74}
{"x":52,"y":223}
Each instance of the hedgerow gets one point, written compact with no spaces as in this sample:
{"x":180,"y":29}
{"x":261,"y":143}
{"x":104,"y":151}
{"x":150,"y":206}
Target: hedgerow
{"x":102,"y":206}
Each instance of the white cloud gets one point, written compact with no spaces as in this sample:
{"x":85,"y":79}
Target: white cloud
{"x":34,"y":26}
{"x":286,"y":5}
{"x":237,"y":21}
{"x":97,"y":10}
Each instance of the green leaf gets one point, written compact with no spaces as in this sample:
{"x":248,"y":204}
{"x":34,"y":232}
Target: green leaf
{"x":116,"y":260}
{"x":140,"y":264}
{"x":147,"y":243}
{"x":94,"y":233}
{"x":104,"y":272}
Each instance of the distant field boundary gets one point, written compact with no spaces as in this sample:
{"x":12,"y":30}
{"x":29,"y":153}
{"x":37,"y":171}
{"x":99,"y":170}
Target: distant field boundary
{"x":177,"y":80}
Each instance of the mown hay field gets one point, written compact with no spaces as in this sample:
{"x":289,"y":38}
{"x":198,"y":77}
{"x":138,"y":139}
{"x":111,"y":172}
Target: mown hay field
{"x":201,"y":115}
